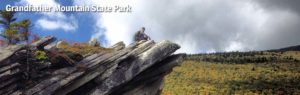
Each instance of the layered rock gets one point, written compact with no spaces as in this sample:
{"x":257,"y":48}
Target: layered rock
{"x":118,"y":46}
{"x":137,"y":69}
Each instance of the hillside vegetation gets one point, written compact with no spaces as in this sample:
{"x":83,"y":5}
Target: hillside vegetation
{"x":240,"y":73}
{"x":83,"y":48}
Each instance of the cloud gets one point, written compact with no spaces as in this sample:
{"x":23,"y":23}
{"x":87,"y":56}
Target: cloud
{"x":53,"y":20}
{"x":206,"y":25}
{"x":291,"y":5}
{"x":110,"y":25}
{"x":47,"y":24}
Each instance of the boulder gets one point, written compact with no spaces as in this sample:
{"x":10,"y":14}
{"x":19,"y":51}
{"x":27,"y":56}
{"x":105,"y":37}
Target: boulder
{"x":50,"y":46}
{"x":59,"y":44}
{"x":94,"y":42}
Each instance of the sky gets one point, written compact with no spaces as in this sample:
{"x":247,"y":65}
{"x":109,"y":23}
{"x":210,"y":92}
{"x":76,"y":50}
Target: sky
{"x":198,"y":26}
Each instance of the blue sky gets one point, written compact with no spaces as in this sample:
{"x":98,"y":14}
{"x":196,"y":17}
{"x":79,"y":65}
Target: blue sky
{"x":198,"y":26}
{"x":84,"y":22}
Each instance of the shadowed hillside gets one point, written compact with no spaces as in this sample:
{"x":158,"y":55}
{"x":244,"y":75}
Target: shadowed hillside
{"x":291,"y":48}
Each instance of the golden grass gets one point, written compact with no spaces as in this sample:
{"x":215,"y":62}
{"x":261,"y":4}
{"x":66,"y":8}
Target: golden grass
{"x":294,"y":54}
{"x":204,"y":78}
{"x":84,"y":48}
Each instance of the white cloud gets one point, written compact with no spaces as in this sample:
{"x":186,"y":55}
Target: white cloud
{"x":47,"y":24}
{"x":202,"y":25}
{"x":233,"y":46}
{"x":112,"y":23}
{"x":53,"y":20}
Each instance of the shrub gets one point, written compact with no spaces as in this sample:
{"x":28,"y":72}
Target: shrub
{"x":40,"y":56}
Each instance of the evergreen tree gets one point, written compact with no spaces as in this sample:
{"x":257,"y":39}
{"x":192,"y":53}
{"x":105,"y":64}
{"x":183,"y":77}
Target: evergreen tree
{"x":6,"y":20}
{"x":13,"y":31}
{"x":24,"y":27}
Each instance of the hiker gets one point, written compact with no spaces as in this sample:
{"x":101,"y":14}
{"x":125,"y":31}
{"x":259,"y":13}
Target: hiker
{"x":140,"y":35}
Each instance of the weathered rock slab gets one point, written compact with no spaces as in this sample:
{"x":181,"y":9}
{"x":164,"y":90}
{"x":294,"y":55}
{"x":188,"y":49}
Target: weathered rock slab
{"x":137,"y":69}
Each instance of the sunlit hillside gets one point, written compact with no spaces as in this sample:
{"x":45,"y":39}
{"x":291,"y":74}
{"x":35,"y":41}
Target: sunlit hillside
{"x":245,"y":73}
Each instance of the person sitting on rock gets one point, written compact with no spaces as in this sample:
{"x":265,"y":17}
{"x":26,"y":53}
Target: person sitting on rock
{"x":140,"y":35}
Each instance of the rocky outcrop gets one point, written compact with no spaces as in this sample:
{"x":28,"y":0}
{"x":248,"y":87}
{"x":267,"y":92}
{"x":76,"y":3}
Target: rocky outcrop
{"x":94,"y":42}
{"x":59,"y":44}
{"x":118,"y":46}
{"x":12,"y":73}
{"x":137,"y":69}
